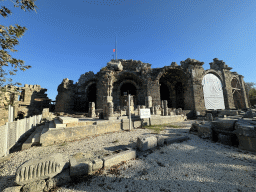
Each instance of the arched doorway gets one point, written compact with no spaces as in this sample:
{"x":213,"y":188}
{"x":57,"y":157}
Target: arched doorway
{"x":128,"y":88}
{"x":172,"y":87}
{"x":237,"y":94}
{"x":179,"y":95}
{"x":165,"y":94}
{"x":91,"y":95}
{"x":213,"y":93}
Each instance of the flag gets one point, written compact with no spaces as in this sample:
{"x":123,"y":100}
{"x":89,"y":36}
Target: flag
{"x":114,"y":50}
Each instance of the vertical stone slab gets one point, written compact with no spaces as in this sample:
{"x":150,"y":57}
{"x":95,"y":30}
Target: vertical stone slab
{"x":18,"y":130}
{"x":3,"y":140}
{"x":165,"y":108}
{"x":92,"y":109}
{"x":148,"y":101}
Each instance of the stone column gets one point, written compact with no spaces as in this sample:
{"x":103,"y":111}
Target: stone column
{"x":138,"y":107}
{"x":131,"y":105}
{"x":148,"y":101}
{"x":106,"y":100}
{"x":110,"y":108}
{"x":92,"y":109}
{"x":165,"y":102}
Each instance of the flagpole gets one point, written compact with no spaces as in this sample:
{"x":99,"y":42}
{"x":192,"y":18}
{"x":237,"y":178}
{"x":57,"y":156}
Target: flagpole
{"x":116,"y":54}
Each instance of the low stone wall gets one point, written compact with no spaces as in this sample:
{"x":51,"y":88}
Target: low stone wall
{"x":58,"y":135}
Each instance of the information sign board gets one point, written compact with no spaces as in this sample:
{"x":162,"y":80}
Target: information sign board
{"x":144,"y":113}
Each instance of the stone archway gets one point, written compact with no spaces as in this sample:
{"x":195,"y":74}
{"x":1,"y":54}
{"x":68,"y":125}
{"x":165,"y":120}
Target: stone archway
{"x":172,"y":84}
{"x":165,"y":94}
{"x":129,"y":88}
{"x":213,"y":92}
{"x":91,"y":95}
{"x":237,"y":94}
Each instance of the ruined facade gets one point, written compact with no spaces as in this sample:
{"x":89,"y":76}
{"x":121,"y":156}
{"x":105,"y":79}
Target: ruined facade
{"x":181,"y":85}
{"x":26,"y":101}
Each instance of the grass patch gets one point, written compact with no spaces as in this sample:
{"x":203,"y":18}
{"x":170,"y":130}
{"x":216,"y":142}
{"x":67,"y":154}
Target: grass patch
{"x":158,"y":128}
{"x":174,"y":126}
{"x":63,"y":144}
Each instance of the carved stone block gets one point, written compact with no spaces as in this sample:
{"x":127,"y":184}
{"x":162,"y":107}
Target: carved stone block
{"x":38,"y":169}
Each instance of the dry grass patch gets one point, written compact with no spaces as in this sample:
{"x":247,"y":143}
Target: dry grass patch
{"x":158,"y":128}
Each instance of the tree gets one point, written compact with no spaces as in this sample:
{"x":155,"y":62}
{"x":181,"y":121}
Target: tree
{"x":9,"y":39}
{"x":250,"y":89}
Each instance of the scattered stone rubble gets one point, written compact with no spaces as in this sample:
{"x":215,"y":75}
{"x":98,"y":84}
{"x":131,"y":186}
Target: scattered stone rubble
{"x":44,"y":174}
{"x":235,"y":128}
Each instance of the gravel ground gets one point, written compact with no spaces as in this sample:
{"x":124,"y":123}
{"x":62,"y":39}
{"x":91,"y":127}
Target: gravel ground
{"x":193,"y":165}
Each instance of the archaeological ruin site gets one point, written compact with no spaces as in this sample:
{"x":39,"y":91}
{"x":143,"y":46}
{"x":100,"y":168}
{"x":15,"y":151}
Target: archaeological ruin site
{"x":123,"y":96}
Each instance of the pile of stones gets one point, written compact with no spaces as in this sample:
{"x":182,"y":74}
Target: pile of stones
{"x":44,"y":174}
{"x":238,"y":131}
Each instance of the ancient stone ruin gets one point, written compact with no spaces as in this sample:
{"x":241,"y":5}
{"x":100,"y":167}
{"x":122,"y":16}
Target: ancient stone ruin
{"x":234,"y":128}
{"x":186,"y":86}
{"x":26,"y":101}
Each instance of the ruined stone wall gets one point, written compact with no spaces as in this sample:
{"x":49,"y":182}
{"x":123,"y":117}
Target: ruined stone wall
{"x":26,"y":101}
{"x":182,"y":82}
{"x":65,"y":97}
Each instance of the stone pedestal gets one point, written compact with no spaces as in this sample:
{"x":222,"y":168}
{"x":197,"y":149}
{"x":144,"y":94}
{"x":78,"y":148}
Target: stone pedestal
{"x":106,"y":100}
{"x":92,"y":109}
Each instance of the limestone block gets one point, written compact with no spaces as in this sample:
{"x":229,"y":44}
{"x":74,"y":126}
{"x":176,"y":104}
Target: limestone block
{"x":225,"y":139}
{"x":58,"y":124}
{"x":209,"y":117}
{"x":13,"y":189}
{"x":115,"y":65}
{"x":38,"y":169}
{"x":245,"y":129}
{"x":145,"y":143}
{"x":58,"y":180}
{"x":37,"y":186}
{"x":194,"y":127}
{"x":65,"y":120}
{"x":160,"y":140}
{"x":248,"y":114}
{"x":178,"y":139}
{"x":80,"y":166}
{"x":118,"y":158}
{"x":97,"y":164}
{"x":247,"y":143}
{"x":205,"y":131}
{"x":224,"y":124}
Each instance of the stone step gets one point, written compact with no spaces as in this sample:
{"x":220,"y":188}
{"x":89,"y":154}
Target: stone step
{"x":58,"y":124}
{"x":33,"y":139}
{"x":51,"y":125}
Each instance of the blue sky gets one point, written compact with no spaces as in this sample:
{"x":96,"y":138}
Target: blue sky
{"x":67,"y":38}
